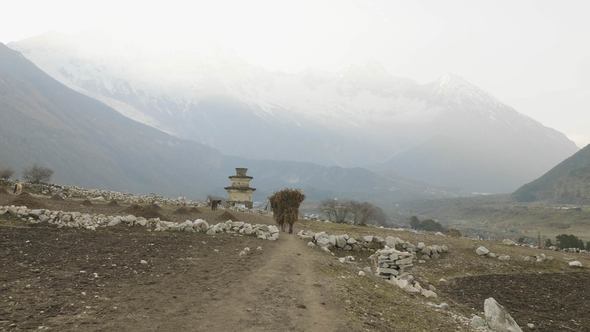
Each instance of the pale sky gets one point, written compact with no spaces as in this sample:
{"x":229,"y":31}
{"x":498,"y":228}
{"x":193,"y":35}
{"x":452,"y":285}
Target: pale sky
{"x":532,"y":54}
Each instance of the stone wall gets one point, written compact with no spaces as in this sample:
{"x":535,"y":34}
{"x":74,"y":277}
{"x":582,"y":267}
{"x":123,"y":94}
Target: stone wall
{"x":95,"y":221}
{"x":103,"y":195}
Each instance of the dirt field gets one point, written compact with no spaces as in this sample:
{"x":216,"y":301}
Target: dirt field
{"x":65,"y":279}
{"x":551,"y":301}
{"x":79,"y":280}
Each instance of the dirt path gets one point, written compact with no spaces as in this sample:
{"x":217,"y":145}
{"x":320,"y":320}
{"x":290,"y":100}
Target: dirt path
{"x":76,"y":280}
{"x":284,"y":294}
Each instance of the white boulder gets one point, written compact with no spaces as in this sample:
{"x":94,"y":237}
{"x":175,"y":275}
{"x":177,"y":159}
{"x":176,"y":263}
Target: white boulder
{"x":498,"y":318}
{"x":481,"y":251}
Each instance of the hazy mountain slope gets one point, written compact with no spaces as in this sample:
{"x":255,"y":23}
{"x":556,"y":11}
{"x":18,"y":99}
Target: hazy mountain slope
{"x":87,"y":143}
{"x":493,"y":147}
{"x":568,"y":182}
{"x":448,"y":132}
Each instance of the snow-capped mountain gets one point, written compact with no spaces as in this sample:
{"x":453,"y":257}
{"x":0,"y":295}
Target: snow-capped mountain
{"x":448,"y":132}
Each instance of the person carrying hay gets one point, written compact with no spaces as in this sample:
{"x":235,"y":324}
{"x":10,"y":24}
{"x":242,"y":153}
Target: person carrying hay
{"x":285,"y":207}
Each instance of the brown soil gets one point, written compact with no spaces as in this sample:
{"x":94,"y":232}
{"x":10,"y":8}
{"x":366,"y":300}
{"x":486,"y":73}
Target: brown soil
{"x":551,"y":301}
{"x":77,"y":280}
{"x":194,"y":210}
{"x":181,"y":210}
{"x":113,"y":203}
{"x":57,"y":198}
{"x":144,"y":211}
{"x":226,"y":216}
{"x":29,"y":201}
{"x":87,"y":203}
{"x":3,"y":191}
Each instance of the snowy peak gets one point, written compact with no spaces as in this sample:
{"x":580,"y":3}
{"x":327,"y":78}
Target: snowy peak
{"x":456,"y":90}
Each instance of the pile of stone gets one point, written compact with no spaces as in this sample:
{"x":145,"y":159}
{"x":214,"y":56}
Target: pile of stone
{"x":540,"y":258}
{"x":485,"y":252}
{"x":392,"y":263}
{"x":393,"y":266}
{"x":94,"y":221}
{"x":370,"y":243}
{"x":265,"y":232}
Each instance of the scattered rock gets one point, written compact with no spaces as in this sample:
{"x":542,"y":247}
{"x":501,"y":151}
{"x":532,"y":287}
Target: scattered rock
{"x":428,"y":293}
{"x":441,"y":306}
{"x":477,"y":323}
{"x":509,"y":242}
{"x":481,"y":251}
{"x":575,"y":264}
{"x":498,"y":318}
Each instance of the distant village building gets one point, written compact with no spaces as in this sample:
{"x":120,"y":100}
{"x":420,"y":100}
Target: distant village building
{"x":240,"y":192}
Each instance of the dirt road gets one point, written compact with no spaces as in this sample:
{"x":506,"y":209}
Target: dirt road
{"x":95,"y":281}
{"x":283,"y":294}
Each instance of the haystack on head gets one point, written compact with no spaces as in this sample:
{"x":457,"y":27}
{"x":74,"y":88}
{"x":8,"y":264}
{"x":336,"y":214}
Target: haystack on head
{"x":285,"y":207}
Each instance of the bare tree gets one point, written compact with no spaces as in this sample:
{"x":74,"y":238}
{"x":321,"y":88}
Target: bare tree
{"x":349,"y":211}
{"x":6,"y":173}
{"x":37,"y":174}
{"x":336,"y":211}
{"x":366,"y":213}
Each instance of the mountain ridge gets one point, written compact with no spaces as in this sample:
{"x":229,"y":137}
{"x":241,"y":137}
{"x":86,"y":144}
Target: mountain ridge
{"x":362,"y":116}
{"x":89,"y":144}
{"x":568,"y":182}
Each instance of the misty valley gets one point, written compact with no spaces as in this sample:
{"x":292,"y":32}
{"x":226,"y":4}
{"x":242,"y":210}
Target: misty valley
{"x":265,"y":166}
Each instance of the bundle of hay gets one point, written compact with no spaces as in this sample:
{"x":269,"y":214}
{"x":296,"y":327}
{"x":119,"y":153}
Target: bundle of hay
{"x":285,"y":207}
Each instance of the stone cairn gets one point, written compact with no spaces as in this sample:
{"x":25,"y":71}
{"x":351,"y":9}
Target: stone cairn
{"x":94,"y":221}
{"x":392,"y":263}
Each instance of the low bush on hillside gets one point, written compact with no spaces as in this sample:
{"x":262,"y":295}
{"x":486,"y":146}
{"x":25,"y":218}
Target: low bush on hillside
{"x":564,"y":241}
{"x":353,"y":212}
{"x":37,"y":174}
{"x":426,"y":225}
